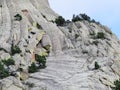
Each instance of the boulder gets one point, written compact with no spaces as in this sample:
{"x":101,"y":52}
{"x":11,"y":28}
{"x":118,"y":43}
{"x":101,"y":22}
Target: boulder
{"x":24,"y":75}
{"x":10,"y":83}
{"x":4,"y":55}
{"x":46,"y":40}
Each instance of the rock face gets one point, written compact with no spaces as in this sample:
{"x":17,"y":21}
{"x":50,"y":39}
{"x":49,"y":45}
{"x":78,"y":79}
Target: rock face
{"x":74,"y":49}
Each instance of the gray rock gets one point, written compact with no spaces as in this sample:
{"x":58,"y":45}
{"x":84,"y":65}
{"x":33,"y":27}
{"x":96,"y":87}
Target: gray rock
{"x":4,"y":55}
{"x":74,"y":48}
{"x":10,"y":83}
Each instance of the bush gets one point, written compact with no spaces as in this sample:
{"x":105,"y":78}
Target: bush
{"x":9,"y":62}
{"x":97,"y":66}
{"x":93,"y":21}
{"x":76,"y":18}
{"x":100,"y":35}
{"x":82,"y":17}
{"x":117,"y":85}
{"x":39,"y":26}
{"x":85,"y":17}
{"x":60,"y":21}
{"x":18,"y":17}
{"x":33,"y":68}
{"x":3,"y":72}
{"x":15,"y":49}
{"x":41,"y":60}
{"x":76,"y":36}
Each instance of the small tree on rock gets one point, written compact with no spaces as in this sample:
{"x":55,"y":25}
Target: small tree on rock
{"x":41,"y":60}
{"x":15,"y":49}
{"x":117,"y":85}
{"x":100,"y":35}
{"x":85,"y":17}
{"x":3,"y":72}
{"x":18,"y":17}
{"x":33,"y":68}
{"x":9,"y":62}
{"x":60,"y":21}
{"x":97,"y":66}
{"x":76,"y":18}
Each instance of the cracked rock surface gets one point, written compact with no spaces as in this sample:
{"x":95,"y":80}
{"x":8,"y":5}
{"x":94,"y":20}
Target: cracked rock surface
{"x":74,"y":49}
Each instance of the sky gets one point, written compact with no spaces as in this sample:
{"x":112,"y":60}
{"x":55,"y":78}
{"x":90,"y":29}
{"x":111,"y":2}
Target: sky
{"x":107,"y":12}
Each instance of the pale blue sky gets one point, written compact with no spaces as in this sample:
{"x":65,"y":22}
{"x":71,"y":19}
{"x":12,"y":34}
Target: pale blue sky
{"x":106,"y":12}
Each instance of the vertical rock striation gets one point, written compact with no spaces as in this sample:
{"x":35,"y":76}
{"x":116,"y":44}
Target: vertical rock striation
{"x":74,"y":48}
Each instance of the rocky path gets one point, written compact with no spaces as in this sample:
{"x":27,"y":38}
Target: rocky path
{"x":75,"y":48}
{"x":65,"y":73}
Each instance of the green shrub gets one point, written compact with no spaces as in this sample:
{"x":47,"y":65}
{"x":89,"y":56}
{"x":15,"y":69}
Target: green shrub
{"x":3,"y":72}
{"x":41,"y":60}
{"x":85,"y":17}
{"x":9,"y":62}
{"x":67,"y":21}
{"x":18,"y":17}
{"x":82,"y":17}
{"x":97,"y":66}
{"x":33,"y":68}
{"x":39,"y":26}
{"x":93,"y":21}
{"x":76,"y":18}
{"x":97,"y":22}
{"x":76,"y":36}
{"x":117,"y":85}
{"x":60,"y":21}
{"x":100,"y":35}
{"x":15,"y":49}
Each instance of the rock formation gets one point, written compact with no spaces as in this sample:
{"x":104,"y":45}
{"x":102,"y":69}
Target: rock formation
{"x":73,"y":49}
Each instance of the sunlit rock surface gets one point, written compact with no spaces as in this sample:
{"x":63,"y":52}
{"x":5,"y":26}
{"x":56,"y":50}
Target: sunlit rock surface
{"x":73,"y":49}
